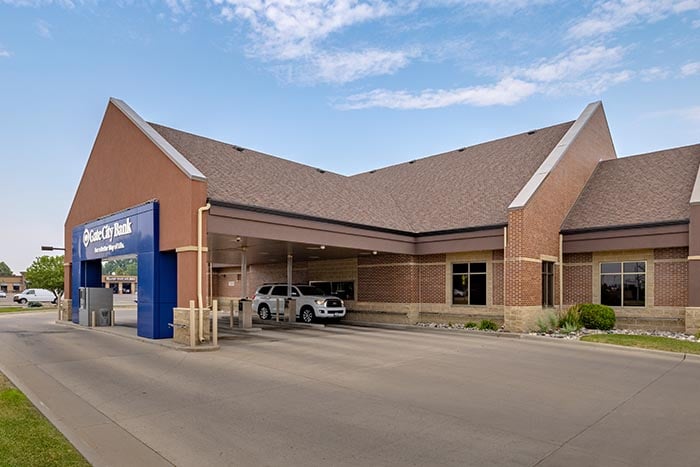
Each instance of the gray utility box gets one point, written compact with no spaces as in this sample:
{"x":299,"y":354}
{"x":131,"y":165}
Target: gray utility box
{"x":97,"y":299}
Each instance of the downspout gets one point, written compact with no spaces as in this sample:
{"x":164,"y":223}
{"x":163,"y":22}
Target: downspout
{"x":505,"y":246}
{"x":561,"y":273}
{"x":199,"y":270}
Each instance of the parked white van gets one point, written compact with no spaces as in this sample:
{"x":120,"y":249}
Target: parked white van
{"x":35,"y":295}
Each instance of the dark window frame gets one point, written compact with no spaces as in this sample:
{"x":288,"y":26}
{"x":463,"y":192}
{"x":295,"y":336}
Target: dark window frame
{"x":548,"y":284}
{"x":331,"y":288}
{"x":468,"y":274}
{"x":621,"y":274}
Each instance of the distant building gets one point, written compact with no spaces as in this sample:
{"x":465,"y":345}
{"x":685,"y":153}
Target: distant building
{"x":13,"y":284}
{"x":120,"y":284}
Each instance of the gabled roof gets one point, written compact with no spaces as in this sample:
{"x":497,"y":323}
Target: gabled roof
{"x":466,"y":188}
{"x":245,"y":177}
{"x":646,"y":189}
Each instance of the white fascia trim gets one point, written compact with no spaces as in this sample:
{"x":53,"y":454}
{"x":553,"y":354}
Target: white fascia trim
{"x":695,"y":195}
{"x":173,"y":154}
{"x":554,"y":157}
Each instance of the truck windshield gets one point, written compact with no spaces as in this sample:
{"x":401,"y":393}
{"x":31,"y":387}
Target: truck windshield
{"x":309,"y":290}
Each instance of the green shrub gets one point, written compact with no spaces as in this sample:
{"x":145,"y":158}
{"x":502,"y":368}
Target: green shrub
{"x":487,"y":325}
{"x":568,"y":328}
{"x":470,"y":325}
{"x":571,"y":320}
{"x":594,"y":316}
{"x":34,"y":305}
{"x":547,"y":322}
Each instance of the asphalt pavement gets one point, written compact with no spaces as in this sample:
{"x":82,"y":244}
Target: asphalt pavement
{"x":346,"y":396}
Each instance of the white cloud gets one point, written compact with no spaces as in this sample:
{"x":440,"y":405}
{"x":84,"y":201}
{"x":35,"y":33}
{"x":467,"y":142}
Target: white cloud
{"x":178,"y":7}
{"x":290,"y":29}
{"x":38,"y":3}
{"x":585,"y":70}
{"x":43,"y":28}
{"x":4,"y":53}
{"x":573,"y":63}
{"x":696,"y":24}
{"x":654,"y":74}
{"x":611,"y":15}
{"x":508,"y":91}
{"x":344,"y":67}
{"x":691,"y":114}
{"x":595,"y":84}
{"x":690,"y":69}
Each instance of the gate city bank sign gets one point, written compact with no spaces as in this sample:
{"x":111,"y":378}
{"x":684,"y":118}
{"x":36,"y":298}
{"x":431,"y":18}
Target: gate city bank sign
{"x":107,"y":233}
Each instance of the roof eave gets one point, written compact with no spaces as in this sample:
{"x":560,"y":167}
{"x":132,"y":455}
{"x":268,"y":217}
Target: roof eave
{"x":643,"y":225}
{"x":295,"y":215}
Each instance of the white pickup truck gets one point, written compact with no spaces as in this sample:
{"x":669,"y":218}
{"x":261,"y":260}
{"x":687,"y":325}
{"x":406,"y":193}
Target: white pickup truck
{"x":311,"y":302}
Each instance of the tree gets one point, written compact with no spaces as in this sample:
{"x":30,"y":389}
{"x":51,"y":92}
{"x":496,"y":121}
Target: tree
{"x":5,"y":269}
{"x":120,"y":267}
{"x":46,"y":272}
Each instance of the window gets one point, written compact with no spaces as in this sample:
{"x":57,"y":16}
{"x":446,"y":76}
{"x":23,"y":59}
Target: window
{"x":623,"y":284}
{"x":343,"y":290}
{"x":547,"y":283}
{"x":469,"y":284}
{"x":264,"y":290}
{"x":280,"y":290}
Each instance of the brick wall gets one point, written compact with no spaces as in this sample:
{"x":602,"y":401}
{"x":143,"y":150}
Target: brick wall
{"x":387,"y":278}
{"x":401,"y":278}
{"x":671,"y":277}
{"x":578,"y":278}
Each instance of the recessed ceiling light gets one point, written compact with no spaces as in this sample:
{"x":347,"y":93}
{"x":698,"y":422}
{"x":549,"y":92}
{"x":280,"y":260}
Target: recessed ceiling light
{"x":314,"y":257}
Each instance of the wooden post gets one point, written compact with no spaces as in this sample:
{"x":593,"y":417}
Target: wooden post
{"x":214,"y":323}
{"x":193,"y":323}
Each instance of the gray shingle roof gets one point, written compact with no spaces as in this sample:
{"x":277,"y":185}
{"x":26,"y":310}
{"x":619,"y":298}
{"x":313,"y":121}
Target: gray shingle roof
{"x":467,"y":188}
{"x":644,"y":189}
{"x":464,"y":188}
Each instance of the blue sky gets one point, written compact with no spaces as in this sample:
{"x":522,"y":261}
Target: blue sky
{"x":344,"y":85}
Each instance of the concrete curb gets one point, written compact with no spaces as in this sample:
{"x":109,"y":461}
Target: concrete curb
{"x":83,"y":448}
{"x":508,"y":335}
{"x":167,"y":343}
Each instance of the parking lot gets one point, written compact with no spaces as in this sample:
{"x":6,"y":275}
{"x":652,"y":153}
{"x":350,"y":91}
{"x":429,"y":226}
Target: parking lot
{"x":344,"y":395}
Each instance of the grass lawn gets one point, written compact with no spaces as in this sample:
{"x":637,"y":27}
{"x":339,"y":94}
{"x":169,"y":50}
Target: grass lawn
{"x":13,"y":309}
{"x":26,"y":437}
{"x":10,"y":309}
{"x":646,"y":342}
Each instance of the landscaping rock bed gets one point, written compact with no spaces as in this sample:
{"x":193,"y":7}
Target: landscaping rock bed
{"x":573,"y":335}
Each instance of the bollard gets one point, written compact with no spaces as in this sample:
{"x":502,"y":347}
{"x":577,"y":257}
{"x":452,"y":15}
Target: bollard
{"x":291,"y":311}
{"x":111,"y":318}
{"x":214,"y":322}
{"x":231,"y":316}
{"x":92,"y":324}
{"x":192,"y":324}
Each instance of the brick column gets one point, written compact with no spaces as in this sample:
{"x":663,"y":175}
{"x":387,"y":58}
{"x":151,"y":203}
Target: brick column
{"x":187,"y":276}
{"x":523,"y":281}
{"x":692,"y":311}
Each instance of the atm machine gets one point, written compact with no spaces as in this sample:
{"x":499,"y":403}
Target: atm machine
{"x":97,"y":299}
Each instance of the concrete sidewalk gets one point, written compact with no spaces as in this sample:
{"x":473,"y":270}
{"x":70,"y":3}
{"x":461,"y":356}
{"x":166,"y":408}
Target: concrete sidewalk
{"x":347,"y":396}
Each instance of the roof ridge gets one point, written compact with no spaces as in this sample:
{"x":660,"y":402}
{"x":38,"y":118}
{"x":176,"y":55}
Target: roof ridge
{"x":464,"y":148}
{"x":654,"y":153}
